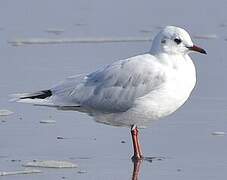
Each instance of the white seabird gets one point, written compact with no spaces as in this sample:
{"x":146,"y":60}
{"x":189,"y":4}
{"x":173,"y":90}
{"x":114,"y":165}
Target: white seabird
{"x":130,"y":92}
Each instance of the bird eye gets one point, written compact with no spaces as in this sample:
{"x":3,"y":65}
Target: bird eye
{"x":178,"y":41}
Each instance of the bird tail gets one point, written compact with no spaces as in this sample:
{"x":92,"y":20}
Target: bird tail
{"x":39,"y":97}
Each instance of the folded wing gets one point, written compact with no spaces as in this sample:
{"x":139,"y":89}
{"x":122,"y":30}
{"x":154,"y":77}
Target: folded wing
{"x":115,"y":87}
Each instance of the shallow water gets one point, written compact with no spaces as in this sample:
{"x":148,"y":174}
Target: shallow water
{"x":184,"y":140}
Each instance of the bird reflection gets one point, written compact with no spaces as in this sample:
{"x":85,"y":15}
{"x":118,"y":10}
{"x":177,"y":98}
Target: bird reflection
{"x":138,"y":162}
{"x":136,"y":169}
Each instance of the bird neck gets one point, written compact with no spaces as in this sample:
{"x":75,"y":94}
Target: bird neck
{"x":172,"y":59}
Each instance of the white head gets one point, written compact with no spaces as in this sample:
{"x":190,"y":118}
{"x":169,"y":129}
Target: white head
{"x":174,"y":40}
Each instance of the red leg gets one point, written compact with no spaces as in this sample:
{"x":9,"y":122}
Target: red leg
{"x":139,"y":146}
{"x":136,"y":145}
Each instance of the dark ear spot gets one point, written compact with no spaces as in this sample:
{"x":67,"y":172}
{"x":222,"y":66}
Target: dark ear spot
{"x":177,"y":40}
{"x":163,"y":41}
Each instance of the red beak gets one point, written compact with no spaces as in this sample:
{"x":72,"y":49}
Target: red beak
{"x":197,"y":49}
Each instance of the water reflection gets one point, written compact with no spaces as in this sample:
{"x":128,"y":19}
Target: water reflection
{"x":138,"y":163}
{"x":136,"y":169}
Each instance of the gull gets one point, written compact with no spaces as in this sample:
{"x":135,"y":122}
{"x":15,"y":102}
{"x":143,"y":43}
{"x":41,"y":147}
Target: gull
{"x":132,"y":92}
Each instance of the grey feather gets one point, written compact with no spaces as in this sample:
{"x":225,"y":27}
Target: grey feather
{"x":115,"y":87}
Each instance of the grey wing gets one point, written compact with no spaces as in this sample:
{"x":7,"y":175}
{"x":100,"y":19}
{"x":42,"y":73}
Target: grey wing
{"x":116,"y":87}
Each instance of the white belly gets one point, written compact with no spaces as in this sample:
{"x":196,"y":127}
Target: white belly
{"x":150,"y":107}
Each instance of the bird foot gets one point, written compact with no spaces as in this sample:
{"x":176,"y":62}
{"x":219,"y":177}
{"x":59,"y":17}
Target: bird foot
{"x":137,"y":158}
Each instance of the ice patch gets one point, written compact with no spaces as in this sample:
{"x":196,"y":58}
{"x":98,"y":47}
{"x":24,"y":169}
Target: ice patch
{"x":55,"y":31}
{"x":29,"y":171}
{"x":5,"y":112}
{"x":51,"y":164}
{"x":208,"y":36}
{"x":30,"y":41}
{"x":47,"y":121}
{"x":218,"y":133}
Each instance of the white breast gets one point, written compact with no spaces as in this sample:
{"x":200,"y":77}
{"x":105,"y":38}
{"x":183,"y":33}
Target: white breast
{"x":181,"y":79}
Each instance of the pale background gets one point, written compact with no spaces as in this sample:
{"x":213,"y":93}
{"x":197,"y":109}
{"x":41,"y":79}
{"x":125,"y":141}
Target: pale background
{"x":184,"y":139}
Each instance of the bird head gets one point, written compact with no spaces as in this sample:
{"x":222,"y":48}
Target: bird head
{"x":174,"y":40}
